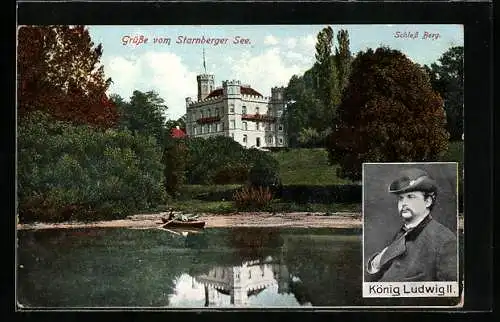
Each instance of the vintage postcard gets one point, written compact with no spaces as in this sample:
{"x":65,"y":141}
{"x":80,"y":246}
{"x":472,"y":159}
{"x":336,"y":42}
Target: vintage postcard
{"x":239,"y":166}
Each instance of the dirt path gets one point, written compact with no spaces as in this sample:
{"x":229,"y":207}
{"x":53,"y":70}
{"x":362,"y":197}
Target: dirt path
{"x":248,"y":219}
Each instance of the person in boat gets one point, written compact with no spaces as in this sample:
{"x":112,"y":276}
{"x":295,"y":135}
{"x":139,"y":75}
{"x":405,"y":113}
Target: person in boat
{"x":423,"y":249}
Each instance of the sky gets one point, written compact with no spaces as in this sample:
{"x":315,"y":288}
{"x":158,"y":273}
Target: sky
{"x":263,"y":56}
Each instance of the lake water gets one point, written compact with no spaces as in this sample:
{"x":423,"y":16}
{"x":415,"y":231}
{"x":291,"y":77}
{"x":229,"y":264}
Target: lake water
{"x":223,"y":267}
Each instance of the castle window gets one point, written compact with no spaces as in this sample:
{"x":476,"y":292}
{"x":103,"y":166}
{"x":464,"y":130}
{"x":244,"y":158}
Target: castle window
{"x":256,"y":110}
{"x":195,"y":130}
{"x":217,"y":112}
{"x":257,"y":142}
{"x":257,"y":126}
{"x":270,"y":139}
{"x":209,"y":113}
{"x":232,"y":135}
{"x":231,"y":108}
{"x":281,"y":140}
{"x":245,"y":126}
{"x":244,"y":138}
{"x":243,"y":109}
{"x":233,"y":124}
{"x":280,"y":128}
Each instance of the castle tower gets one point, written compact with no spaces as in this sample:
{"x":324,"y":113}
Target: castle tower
{"x":205,"y":85}
{"x":232,"y":89}
{"x":205,"y":81}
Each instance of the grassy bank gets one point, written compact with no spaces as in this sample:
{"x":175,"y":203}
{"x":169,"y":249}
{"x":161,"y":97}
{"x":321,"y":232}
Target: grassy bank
{"x":305,"y":167}
{"x":298,"y":167}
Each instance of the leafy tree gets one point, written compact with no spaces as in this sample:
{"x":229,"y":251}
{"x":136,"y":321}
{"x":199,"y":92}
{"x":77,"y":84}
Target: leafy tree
{"x":326,"y":74}
{"x":144,"y":113}
{"x":314,"y":96}
{"x":447,"y":78}
{"x":180,"y":122}
{"x":389,"y":113}
{"x":59,"y":72}
{"x":302,"y":109}
{"x":175,"y":156}
{"x":342,"y":59}
{"x":311,"y":138}
{"x":122,"y":108}
{"x":78,"y":172}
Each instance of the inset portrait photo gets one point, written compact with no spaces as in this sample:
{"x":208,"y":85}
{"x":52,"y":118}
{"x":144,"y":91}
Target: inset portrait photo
{"x":410,"y":229}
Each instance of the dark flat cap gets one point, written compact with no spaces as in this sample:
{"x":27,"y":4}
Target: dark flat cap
{"x":413,"y":180}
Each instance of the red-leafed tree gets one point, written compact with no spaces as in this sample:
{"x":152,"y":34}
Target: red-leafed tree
{"x":389,"y":113}
{"x":59,"y":72}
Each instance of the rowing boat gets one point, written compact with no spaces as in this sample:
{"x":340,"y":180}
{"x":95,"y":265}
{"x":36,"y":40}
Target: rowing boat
{"x":181,"y":223}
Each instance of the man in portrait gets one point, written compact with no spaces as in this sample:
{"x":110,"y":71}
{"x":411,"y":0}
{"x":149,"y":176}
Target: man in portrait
{"x":423,"y":249}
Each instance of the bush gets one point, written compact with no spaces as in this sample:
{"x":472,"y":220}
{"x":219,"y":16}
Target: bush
{"x":303,"y":194}
{"x":78,"y":172}
{"x":265,"y":173}
{"x":174,"y":159}
{"x":220,"y":160}
{"x":232,"y":174}
{"x":252,"y":198}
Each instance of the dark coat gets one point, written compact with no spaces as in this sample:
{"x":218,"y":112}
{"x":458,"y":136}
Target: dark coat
{"x":426,"y":253}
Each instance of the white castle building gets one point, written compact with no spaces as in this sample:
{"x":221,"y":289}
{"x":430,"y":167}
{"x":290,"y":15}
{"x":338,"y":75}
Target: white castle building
{"x":237,"y":111}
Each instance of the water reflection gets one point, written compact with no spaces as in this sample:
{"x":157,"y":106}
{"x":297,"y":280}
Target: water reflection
{"x":217,"y":267}
{"x":253,"y":283}
{"x":256,"y":273}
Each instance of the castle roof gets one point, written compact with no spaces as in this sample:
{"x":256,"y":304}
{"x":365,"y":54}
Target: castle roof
{"x":177,"y":133}
{"x":245,"y":90}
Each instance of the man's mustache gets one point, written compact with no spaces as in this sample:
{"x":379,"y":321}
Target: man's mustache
{"x":406,"y":209}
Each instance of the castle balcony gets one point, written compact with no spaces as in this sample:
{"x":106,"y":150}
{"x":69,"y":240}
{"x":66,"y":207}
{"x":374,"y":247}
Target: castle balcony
{"x":258,"y":118}
{"x":208,"y":120}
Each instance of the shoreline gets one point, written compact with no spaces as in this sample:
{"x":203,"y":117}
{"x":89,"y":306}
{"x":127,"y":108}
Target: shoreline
{"x":241,"y":219}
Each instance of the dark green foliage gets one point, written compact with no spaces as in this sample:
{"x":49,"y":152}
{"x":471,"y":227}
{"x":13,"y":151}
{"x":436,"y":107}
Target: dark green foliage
{"x":313,"y":97}
{"x":77,"y":172}
{"x":174,"y":158}
{"x":210,"y":160}
{"x":447,"y":78}
{"x":180,"y":122}
{"x":304,"y":108}
{"x":342,"y":60}
{"x":455,"y":153}
{"x":389,"y":113}
{"x":232,"y":174}
{"x":328,"y":91}
{"x":311,"y":138}
{"x":265,"y":173}
{"x":144,"y":114}
{"x":341,"y":193}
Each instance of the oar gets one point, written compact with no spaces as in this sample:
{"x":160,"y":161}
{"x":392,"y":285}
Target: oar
{"x":170,"y":231}
{"x":168,"y":222}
